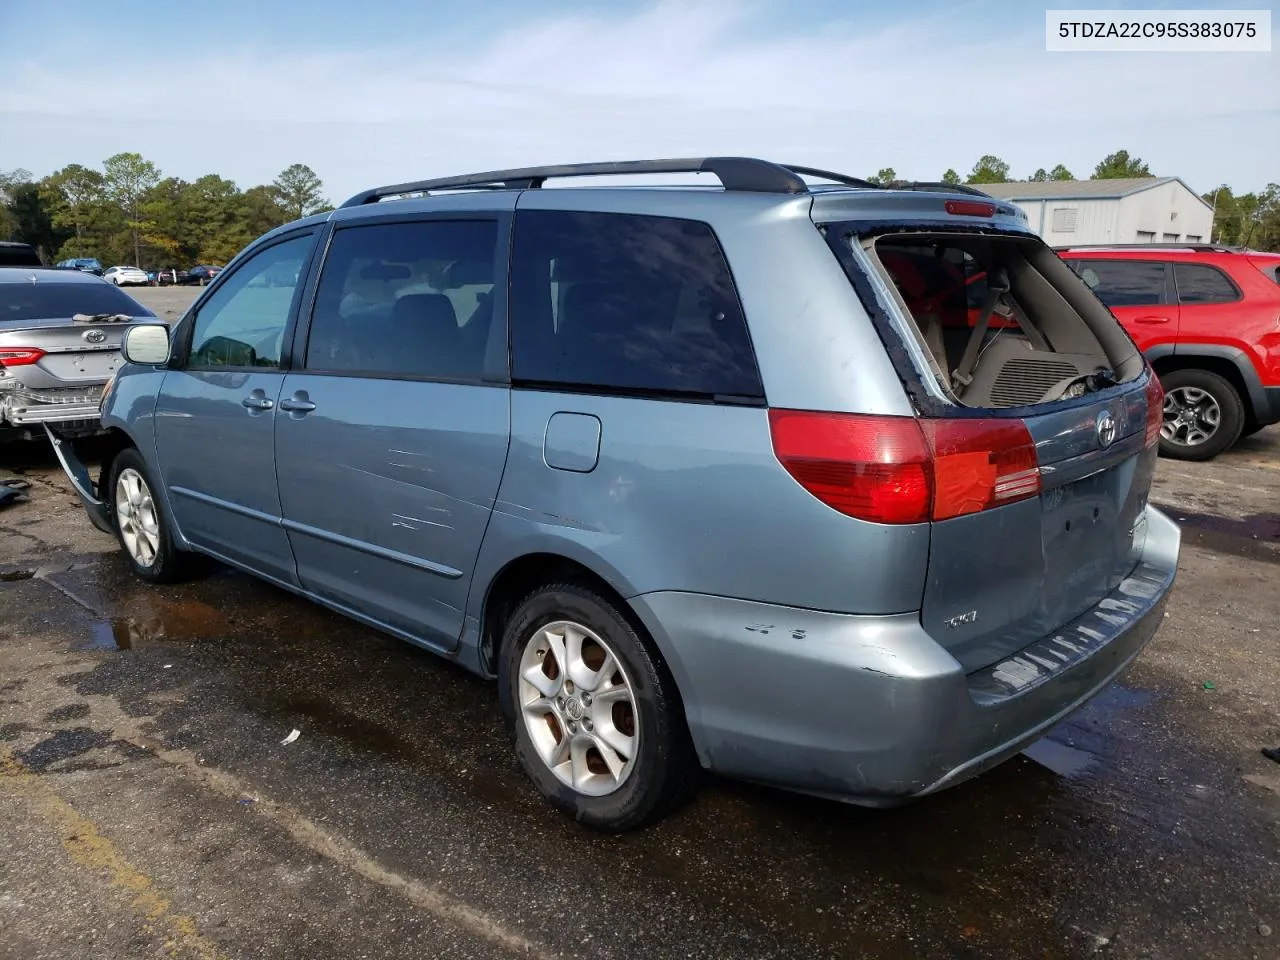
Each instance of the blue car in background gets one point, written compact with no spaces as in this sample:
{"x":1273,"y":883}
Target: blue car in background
{"x":85,"y":264}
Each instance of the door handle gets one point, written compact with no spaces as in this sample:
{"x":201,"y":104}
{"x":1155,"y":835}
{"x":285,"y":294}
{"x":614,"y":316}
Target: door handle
{"x":296,"y":404}
{"x":1151,"y":320}
{"x":257,"y":401}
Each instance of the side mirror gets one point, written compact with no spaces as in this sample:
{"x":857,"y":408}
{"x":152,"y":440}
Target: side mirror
{"x":146,"y":343}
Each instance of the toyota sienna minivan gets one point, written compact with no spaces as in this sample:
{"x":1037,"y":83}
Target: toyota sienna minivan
{"x":678,"y":466}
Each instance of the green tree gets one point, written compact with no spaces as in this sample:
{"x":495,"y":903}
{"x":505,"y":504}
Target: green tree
{"x":989,"y":169}
{"x":1061,"y":173}
{"x":260,"y":210}
{"x":1039,"y":176}
{"x":886,"y":176}
{"x":950,"y":176}
{"x":165,"y":236}
{"x":76,"y":196}
{"x":299,"y":191}
{"x":1119,"y":165}
{"x":128,"y":177}
{"x":33,"y":220}
{"x":9,"y":182}
{"x":213,"y":225}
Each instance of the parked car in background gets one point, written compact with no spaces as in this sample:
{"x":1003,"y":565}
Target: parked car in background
{"x":60,"y":333}
{"x":14,"y":254}
{"x":680,"y":469}
{"x":168,"y":276}
{"x":200,"y":275}
{"x":1208,"y":319}
{"x":126,"y":276}
{"x":85,"y":264}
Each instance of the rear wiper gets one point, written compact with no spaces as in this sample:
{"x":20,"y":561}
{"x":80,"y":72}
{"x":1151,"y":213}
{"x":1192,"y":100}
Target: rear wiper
{"x":101,"y":318}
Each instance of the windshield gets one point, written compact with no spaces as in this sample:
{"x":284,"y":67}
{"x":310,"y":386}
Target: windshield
{"x":44,"y":301}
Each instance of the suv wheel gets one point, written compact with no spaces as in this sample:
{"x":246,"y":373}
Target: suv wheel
{"x":598,"y":723}
{"x":1203,"y":415}
{"x":141,"y":524}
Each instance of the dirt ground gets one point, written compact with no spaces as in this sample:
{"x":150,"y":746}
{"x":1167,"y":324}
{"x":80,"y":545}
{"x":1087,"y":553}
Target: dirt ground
{"x":148,"y":807}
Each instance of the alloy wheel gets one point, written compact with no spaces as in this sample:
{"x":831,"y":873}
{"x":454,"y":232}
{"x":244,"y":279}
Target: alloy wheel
{"x":579,"y":708}
{"x":1191,"y":416}
{"x":136,"y":517}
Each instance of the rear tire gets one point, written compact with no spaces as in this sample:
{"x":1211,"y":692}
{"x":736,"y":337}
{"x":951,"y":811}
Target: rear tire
{"x":1203,"y":415}
{"x":141,"y":524}
{"x":615,"y":762}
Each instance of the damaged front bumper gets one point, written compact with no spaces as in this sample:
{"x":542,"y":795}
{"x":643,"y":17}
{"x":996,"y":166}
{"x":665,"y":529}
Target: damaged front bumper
{"x":99,"y":512}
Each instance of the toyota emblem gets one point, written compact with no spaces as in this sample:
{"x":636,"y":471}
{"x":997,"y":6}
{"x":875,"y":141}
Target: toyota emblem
{"x":94,"y":336}
{"x":1106,"y":429}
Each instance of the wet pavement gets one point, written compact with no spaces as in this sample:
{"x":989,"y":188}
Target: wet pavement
{"x":148,"y":806}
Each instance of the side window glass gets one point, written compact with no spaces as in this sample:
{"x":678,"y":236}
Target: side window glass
{"x":242,"y":323}
{"x":1198,"y":283}
{"x":623,"y":302}
{"x":1125,"y":283}
{"x":406,"y":300}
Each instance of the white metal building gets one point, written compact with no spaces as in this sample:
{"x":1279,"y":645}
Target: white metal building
{"x":1139,"y":210}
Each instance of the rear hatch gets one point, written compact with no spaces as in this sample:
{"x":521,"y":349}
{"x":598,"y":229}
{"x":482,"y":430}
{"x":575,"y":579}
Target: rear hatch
{"x":1040,"y":440}
{"x":1001,"y":578}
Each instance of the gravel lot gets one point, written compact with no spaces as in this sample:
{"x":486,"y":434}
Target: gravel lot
{"x":148,"y":806}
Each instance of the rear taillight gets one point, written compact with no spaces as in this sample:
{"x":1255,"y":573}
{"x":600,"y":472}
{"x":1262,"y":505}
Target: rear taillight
{"x":19,"y":356}
{"x":904,"y":470}
{"x":1155,"y":407}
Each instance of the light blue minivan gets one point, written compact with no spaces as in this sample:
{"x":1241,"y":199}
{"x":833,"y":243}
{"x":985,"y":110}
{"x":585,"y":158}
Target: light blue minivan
{"x":793,"y":478}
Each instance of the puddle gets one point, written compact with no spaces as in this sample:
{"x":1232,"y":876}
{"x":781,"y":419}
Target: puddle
{"x":1061,"y":759}
{"x":1253,"y":538}
{"x":162,"y":621}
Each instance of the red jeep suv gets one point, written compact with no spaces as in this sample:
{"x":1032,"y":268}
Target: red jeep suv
{"x":1208,"y":319}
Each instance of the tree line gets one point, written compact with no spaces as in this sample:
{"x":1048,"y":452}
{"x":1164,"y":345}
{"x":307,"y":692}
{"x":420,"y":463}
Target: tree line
{"x":1247,"y":219}
{"x":128,"y":212}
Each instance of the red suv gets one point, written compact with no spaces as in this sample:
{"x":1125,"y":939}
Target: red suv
{"x":1208,"y":319}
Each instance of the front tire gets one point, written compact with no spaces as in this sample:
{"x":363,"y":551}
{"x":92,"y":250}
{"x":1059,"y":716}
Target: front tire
{"x":1203,"y":415}
{"x":141,"y":524}
{"x":598,"y":723}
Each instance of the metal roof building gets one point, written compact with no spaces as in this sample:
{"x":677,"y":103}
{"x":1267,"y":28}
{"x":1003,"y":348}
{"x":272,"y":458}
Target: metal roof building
{"x":1137,"y":210}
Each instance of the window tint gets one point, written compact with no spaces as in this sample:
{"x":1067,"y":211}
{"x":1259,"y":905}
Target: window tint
{"x":1198,"y":283}
{"x":406,"y":299}
{"x":52,"y":300}
{"x":626,"y":303}
{"x":242,"y":323}
{"x":1124,"y":283}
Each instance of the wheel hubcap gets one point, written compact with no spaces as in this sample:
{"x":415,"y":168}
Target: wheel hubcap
{"x":579,"y":708}
{"x":136,"y":517}
{"x":1191,"y":416}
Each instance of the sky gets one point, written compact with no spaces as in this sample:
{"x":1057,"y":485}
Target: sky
{"x":382,"y":91}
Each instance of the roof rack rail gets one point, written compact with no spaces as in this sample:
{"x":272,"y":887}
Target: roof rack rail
{"x":938,"y":186}
{"x":735,"y":173}
{"x":842,"y":178}
{"x":1172,"y":245}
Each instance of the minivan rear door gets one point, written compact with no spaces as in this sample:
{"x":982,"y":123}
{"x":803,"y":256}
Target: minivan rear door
{"x":1003,"y":578}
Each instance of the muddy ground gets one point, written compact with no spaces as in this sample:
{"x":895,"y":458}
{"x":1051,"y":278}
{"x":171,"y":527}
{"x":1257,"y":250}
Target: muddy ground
{"x":149,"y":809}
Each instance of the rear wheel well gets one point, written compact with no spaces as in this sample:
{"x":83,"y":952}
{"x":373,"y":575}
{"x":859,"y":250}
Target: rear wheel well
{"x":1222,"y":367}
{"x":111,"y":444}
{"x":521,"y":577}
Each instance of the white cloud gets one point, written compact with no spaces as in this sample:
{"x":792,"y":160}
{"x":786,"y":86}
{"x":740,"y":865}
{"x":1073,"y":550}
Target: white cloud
{"x":671,"y":80}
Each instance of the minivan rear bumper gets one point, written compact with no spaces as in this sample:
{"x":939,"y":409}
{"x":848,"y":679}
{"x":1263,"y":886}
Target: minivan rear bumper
{"x":872,"y":710}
